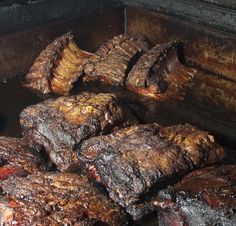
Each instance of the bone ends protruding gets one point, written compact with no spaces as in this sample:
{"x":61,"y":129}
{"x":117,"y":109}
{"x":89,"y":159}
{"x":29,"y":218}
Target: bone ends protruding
{"x":160,"y":75}
{"x":57,"y":67}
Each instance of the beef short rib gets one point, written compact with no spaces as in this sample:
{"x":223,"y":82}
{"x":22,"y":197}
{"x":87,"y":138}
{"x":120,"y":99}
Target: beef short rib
{"x":59,"y":125}
{"x":158,"y":73}
{"x":203,"y":197}
{"x":133,"y":162}
{"x":56,"y":199}
{"x":112,"y":61}
{"x":17,"y":158}
{"x":57,"y":67}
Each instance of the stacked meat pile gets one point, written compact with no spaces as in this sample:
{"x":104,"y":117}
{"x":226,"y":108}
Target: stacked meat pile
{"x":87,"y":160}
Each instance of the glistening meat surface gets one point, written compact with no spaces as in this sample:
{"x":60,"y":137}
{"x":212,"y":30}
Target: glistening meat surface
{"x":56,"y":199}
{"x":112,"y":61}
{"x":159,"y":74}
{"x":133,"y":162}
{"x":203,"y":197}
{"x":59,"y":125}
{"x":17,"y":158}
{"x":57,"y":67}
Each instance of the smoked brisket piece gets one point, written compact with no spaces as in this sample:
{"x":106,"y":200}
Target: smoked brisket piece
{"x":16,"y":158}
{"x":56,"y":199}
{"x":133,"y":162}
{"x":159,"y":74}
{"x":203,"y":197}
{"x":59,"y":125}
{"x":57,"y":67}
{"x":112,"y":61}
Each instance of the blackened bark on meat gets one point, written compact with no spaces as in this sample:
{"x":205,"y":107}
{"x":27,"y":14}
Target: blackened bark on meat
{"x":112,"y":61}
{"x":158,"y":74}
{"x":57,"y":199}
{"x":191,"y":212}
{"x":59,"y":125}
{"x":17,"y":158}
{"x":133,"y":162}
{"x":21,"y":212}
{"x":203,"y":197}
{"x":214,"y":185}
{"x":92,"y":222}
{"x":57,"y":67}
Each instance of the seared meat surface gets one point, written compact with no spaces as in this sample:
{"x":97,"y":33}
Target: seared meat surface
{"x":57,"y":67}
{"x":123,"y":60}
{"x":203,"y":197}
{"x":56,"y":199}
{"x":133,"y":162}
{"x":17,"y":158}
{"x":20,"y":212}
{"x":111,"y":61}
{"x":159,"y":74}
{"x":200,"y":145}
{"x":59,"y":125}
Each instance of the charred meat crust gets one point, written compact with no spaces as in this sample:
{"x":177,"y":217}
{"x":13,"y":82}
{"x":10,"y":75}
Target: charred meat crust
{"x":59,"y":125}
{"x":112,"y":61}
{"x":21,"y":212}
{"x":18,"y":159}
{"x":57,"y":67}
{"x":159,"y":74}
{"x":123,"y":60}
{"x":200,"y":145}
{"x":214,"y":185}
{"x":134,"y":161}
{"x":203,"y":197}
{"x":57,"y":199}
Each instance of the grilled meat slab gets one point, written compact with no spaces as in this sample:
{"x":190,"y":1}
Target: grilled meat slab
{"x":111,"y":62}
{"x":56,"y":199}
{"x":57,"y":67}
{"x":20,"y":212}
{"x":203,"y":197}
{"x":133,"y":162}
{"x":17,"y":158}
{"x":58,"y":125}
{"x":158,"y":73}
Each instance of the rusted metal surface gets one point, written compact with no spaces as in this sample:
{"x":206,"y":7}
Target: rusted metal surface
{"x":214,"y":53}
{"x":220,"y":92}
{"x":18,"y":51}
{"x":209,"y":49}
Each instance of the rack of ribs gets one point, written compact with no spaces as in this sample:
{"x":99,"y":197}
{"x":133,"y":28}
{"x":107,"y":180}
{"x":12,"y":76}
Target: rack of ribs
{"x":159,"y":74}
{"x":133,"y":162}
{"x":57,"y":67}
{"x":123,"y":60}
{"x":112,"y":61}
{"x":16,"y":158}
{"x":56,"y":199}
{"x":203,"y":197}
{"x":59,"y":125}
